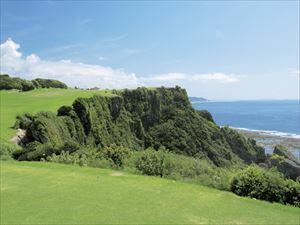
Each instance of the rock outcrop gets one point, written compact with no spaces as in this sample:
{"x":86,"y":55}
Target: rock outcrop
{"x":285,"y":162}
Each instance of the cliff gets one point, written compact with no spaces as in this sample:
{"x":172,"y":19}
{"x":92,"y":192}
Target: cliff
{"x":137,"y":119}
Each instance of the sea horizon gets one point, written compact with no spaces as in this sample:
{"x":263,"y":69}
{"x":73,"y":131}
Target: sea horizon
{"x":273,"y":117}
{"x":242,"y":100}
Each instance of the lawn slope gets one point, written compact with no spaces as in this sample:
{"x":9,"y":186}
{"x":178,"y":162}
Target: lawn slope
{"x":48,"y":193}
{"x":15,"y":103}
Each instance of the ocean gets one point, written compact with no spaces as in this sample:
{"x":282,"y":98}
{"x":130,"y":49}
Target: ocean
{"x":277,"y":117}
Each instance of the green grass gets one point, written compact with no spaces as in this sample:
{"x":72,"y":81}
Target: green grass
{"x":48,"y":193}
{"x":14,"y":103}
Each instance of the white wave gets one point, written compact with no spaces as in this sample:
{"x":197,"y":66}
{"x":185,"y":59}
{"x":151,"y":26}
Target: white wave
{"x":270,"y":132}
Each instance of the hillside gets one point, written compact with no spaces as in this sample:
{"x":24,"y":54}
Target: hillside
{"x":198,"y":99}
{"x":137,"y":119}
{"x":59,"y":194}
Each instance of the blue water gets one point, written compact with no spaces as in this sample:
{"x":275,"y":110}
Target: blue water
{"x":282,"y":116}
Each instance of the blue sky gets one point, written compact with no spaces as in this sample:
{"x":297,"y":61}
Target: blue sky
{"x":218,"y":50}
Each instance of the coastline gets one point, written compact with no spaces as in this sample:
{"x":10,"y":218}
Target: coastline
{"x":268,"y":139}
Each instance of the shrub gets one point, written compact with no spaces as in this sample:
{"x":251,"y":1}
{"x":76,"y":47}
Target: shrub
{"x":23,"y":121}
{"x":64,"y":110}
{"x":266,"y":185}
{"x":6,"y":151}
{"x":70,"y":146}
{"x":117,"y":154}
{"x":41,"y":151}
{"x":150,"y":162}
{"x":292,"y":193}
{"x":212,"y":176}
{"x":110,"y":157}
{"x":176,"y":166}
{"x":8,"y":83}
{"x":49,"y":83}
{"x":206,"y":114}
{"x":67,"y":158}
{"x":179,"y":167}
{"x":27,"y":85}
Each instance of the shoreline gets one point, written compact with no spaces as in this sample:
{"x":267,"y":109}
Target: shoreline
{"x":269,"y":133}
{"x":268,"y":139}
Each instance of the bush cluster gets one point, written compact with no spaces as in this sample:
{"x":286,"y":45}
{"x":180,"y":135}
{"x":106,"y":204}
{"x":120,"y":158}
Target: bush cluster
{"x":23,"y":121}
{"x":48,"y":83}
{"x":166,"y":164}
{"x":8,"y":83}
{"x":36,"y":151}
{"x":148,"y":162}
{"x":109,"y":157}
{"x":6,"y":151}
{"x":266,"y":185}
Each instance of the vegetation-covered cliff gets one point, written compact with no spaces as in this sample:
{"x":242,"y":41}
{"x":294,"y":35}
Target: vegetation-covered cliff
{"x":137,"y":119}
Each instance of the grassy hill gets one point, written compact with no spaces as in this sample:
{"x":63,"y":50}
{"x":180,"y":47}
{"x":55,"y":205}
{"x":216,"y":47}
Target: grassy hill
{"x":15,"y":103}
{"x":48,"y":193}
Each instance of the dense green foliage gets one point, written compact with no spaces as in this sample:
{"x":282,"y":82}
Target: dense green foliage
{"x":139,"y":119}
{"x":48,"y":83}
{"x":205,"y":114}
{"x":8,"y":83}
{"x":245,"y":148}
{"x":50,"y":193}
{"x":267,"y":185}
{"x":179,"y":167}
{"x":149,"y":162}
{"x":253,"y":182}
{"x":6,"y":151}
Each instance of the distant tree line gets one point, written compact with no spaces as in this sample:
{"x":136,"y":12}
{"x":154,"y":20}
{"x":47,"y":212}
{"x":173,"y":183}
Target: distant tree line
{"x":8,"y":83}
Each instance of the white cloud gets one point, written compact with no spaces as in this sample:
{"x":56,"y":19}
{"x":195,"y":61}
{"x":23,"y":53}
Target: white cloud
{"x":90,"y":75}
{"x":167,"y":77}
{"x":219,"y":77}
{"x":72,"y":73}
{"x":9,"y":49}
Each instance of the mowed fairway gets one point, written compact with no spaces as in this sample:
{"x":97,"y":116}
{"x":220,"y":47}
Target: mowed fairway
{"x":15,"y":103}
{"x":47,"y":193}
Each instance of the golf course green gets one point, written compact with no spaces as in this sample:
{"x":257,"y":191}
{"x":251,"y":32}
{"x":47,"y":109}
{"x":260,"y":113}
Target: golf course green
{"x":48,"y":193}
